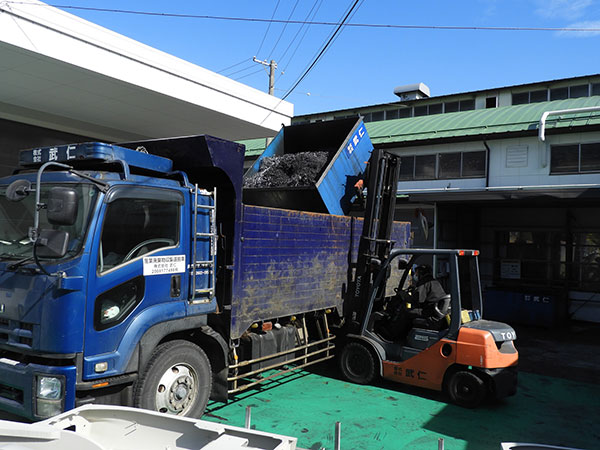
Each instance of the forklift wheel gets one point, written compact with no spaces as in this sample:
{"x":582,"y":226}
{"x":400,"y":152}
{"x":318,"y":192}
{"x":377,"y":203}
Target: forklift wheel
{"x":466,"y":389}
{"x":357,"y":363}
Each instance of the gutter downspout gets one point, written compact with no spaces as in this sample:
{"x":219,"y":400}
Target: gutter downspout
{"x":487,"y":164}
{"x":542,"y":125}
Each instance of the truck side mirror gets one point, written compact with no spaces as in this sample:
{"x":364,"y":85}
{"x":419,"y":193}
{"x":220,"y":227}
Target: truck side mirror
{"x":52,"y":244}
{"x":62,"y":206}
{"x":18,"y":190}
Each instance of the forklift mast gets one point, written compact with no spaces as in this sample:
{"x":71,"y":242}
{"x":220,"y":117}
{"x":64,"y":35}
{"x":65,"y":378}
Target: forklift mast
{"x":375,"y":241}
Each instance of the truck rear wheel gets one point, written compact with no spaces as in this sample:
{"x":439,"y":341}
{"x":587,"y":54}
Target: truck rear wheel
{"x":357,"y":363}
{"x":466,"y":389}
{"x":177,"y":380}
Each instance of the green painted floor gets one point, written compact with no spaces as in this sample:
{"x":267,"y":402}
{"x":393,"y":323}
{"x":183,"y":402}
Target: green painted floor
{"x":390,"y":416}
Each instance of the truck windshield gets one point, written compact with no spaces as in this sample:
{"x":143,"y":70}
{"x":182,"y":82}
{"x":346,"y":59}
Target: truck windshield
{"x":17,"y":217}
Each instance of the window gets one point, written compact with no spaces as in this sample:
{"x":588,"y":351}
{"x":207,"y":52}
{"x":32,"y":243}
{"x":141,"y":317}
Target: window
{"x":586,"y":254}
{"x":538,"y":96}
{"x":403,"y":113}
{"x":552,"y":258}
{"x":559,"y":93}
{"x":520,"y":98}
{"x":590,"y":157}
{"x":377,"y":116}
{"x":425,"y":167}
{"x":17,"y":217}
{"x":467,"y":105}
{"x":491,"y":102}
{"x":450,"y":107}
{"x":420,"y":111}
{"x":575,"y":158}
{"x":578,"y":91}
{"x":564,"y":158}
{"x":443,"y":166}
{"x":134,"y":227}
{"x":367,"y":117}
{"x":524,"y":256}
{"x":473,"y":164}
{"x":437,"y":108}
{"x":407,"y":168}
{"x":449,"y":165}
{"x":391,"y":114}
{"x":596,"y":89}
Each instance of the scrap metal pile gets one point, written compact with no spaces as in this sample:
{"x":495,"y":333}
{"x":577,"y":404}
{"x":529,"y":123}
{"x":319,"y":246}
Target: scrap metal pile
{"x":290,"y":170}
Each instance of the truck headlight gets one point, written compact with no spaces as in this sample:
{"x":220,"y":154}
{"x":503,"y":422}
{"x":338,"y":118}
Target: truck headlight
{"x":49,"y":394}
{"x":49,"y":388}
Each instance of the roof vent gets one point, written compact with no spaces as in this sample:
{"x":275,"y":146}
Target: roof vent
{"x":412,"y":91}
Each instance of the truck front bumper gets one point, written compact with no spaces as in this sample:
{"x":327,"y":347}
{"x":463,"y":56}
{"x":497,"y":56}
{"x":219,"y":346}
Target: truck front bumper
{"x":36,"y":391}
{"x":503,"y":381}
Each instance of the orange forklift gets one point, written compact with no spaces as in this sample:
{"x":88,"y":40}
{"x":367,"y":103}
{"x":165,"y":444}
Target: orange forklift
{"x":452,"y":349}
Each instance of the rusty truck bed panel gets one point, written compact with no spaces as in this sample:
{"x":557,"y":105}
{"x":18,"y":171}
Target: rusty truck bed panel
{"x":294,"y":262}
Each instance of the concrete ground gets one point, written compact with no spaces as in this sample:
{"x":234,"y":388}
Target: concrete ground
{"x":557,"y":403}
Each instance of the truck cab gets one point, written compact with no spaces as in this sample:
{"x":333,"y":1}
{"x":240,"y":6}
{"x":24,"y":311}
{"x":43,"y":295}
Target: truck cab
{"x":96,"y":267}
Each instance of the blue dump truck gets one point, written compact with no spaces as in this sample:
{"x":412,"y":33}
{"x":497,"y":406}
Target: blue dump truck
{"x":135,"y":274}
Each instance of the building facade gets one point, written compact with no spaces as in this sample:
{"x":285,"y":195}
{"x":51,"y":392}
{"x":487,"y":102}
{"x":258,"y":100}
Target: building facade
{"x":482,"y":170}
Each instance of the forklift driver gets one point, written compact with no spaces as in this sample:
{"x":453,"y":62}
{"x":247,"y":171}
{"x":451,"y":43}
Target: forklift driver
{"x":429,"y":301}
{"x":424,"y":304}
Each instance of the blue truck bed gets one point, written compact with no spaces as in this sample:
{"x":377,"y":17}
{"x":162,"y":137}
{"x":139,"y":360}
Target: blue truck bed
{"x":294,"y":262}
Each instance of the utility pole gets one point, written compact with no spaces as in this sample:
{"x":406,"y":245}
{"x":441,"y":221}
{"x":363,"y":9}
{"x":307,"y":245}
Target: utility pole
{"x":272,"y":66}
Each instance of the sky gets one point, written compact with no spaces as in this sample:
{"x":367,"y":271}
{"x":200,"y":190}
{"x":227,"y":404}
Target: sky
{"x":363,"y":65}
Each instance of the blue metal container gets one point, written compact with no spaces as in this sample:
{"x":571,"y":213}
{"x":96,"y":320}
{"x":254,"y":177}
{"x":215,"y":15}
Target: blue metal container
{"x":349,"y":148}
{"x":532,"y":307}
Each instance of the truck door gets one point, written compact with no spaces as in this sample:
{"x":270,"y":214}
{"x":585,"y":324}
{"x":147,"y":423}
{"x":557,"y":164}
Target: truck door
{"x":136,"y":276}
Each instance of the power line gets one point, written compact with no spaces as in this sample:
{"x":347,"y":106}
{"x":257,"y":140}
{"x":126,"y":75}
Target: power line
{"x":291,"y":58}
{"x":268,"y":28}
{"x":300,"y":22}
{"x":250,"y":74}
{"x":240,"y":71}
{"x":283,"y":30}
{"x":322,"y":52}
{"x":300,"y":29}
{"x":245,"y":60}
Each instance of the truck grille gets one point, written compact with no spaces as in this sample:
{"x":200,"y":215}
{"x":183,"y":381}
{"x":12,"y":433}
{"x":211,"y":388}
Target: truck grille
{"x":11,"y":393}
{"x":15,"y":332}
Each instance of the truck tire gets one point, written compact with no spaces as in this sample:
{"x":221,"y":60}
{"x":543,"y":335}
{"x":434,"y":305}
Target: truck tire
{"x":466,"y":389}
{"x":357,"y":363}
{"x":177,"y":380}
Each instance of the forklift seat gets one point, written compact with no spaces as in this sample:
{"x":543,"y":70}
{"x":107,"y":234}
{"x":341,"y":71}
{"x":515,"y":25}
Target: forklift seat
{"x":435,"y":321}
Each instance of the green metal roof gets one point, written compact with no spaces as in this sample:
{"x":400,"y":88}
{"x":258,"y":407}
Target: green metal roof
{"x":507,"y":119}
{"x":479,"y":122}
{"x":254,"y":147}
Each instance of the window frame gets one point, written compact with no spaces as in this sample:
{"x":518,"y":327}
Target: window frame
{"x":579,"y":170}
{"x":140,"y":193}
{"x":438,"y":156}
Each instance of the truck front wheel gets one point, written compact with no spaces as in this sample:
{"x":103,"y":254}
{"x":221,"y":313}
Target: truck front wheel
{"x":177,"y":380}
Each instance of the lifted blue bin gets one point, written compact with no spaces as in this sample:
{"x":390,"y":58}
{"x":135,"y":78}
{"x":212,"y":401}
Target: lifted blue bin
{"x":349,"y":148}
